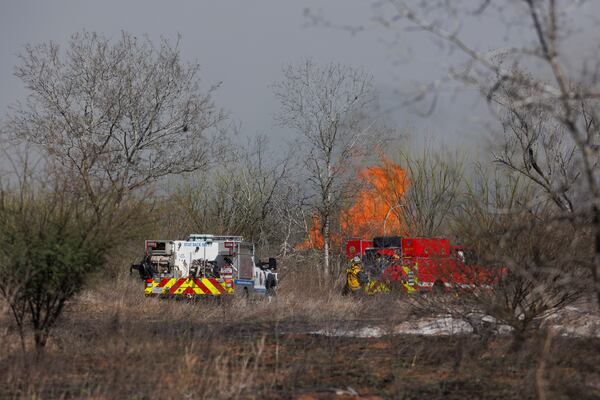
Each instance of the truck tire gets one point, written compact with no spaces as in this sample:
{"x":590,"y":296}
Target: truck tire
{"x":438,"y":287}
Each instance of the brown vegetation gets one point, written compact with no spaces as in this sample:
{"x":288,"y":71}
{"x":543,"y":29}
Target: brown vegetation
{"x":114,"y":343}
{"x":130,"y":147}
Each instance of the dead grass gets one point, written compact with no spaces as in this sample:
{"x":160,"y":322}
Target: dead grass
{"x":114,"y":343}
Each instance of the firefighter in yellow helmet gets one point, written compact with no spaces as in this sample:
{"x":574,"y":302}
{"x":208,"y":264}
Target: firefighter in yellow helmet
{"x":355,"y":277}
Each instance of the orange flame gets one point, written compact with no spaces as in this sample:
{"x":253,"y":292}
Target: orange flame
{"x":376,"y":208}
{"x":315,"y":238}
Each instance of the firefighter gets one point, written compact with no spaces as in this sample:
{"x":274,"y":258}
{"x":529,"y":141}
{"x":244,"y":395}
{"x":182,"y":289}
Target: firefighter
{"x":355,"y":277}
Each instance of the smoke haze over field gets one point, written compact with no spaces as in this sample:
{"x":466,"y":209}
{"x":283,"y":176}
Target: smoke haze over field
{"x":244,"y":45}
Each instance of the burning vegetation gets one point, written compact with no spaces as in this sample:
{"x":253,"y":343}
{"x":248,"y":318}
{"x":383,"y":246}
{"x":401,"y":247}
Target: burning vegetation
{"x":118,"y":141}
{"x":376,"y":208}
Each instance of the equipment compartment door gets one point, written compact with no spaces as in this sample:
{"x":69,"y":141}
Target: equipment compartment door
{"x":246,"y":260}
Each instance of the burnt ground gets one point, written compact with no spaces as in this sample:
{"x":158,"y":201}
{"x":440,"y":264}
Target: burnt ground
{"x":234,"y":362}
{"x":131,"y":347}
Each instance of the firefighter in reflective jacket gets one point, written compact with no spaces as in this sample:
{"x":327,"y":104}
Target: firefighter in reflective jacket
{"x":355,"y":277}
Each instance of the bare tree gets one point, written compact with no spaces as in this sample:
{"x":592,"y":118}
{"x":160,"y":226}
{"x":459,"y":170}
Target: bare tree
{"x":535,"y":146}
{"x":118,"y":114}
{"x":533,"y":73}
{"x":327,"y":106}
{"x":520,"y":258}
{"x":246,"y":196}
{"x":424,"y":201}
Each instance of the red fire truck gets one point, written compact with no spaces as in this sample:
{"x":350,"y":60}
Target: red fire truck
{"x":416,"y":263}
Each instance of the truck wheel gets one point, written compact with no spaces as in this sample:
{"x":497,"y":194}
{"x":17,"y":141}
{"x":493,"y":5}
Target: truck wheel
{"x":438,"y":287}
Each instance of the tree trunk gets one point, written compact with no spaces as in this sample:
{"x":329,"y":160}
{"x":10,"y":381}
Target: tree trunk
{"x":327,"y":223}
{"x":22,"y":337}
{"x":40,"y":343}
{"x":326,"y":247}
{"x":596,"y":259}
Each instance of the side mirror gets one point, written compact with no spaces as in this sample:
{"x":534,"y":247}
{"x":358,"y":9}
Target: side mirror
{"x":272,"y":263}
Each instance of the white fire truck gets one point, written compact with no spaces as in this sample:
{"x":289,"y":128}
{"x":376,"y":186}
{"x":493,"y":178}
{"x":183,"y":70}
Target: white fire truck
{"x":205,"y":265}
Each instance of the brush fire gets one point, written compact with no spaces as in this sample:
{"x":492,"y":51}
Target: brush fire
{"x":374,"y":211}
{"x":380,"y":263}
{"x":213,"y":265}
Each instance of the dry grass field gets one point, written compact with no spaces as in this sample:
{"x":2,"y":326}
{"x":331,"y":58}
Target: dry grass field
{"x":113,"y":343}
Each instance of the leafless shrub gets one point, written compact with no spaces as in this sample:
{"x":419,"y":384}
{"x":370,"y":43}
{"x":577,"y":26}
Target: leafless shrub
{"x":527,"y":268}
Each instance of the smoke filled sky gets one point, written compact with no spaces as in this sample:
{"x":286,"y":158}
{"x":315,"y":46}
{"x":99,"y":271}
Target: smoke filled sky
{"x":244,"y":44}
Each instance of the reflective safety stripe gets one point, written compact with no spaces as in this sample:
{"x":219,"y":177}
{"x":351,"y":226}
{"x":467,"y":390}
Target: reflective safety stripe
{"x":411,"y":278}
{"x":175,"y":288}
{"x":457,"y":285}
{"x":374,"y":287}
{"x":188,"y":286}
{"x":213,"y":286}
